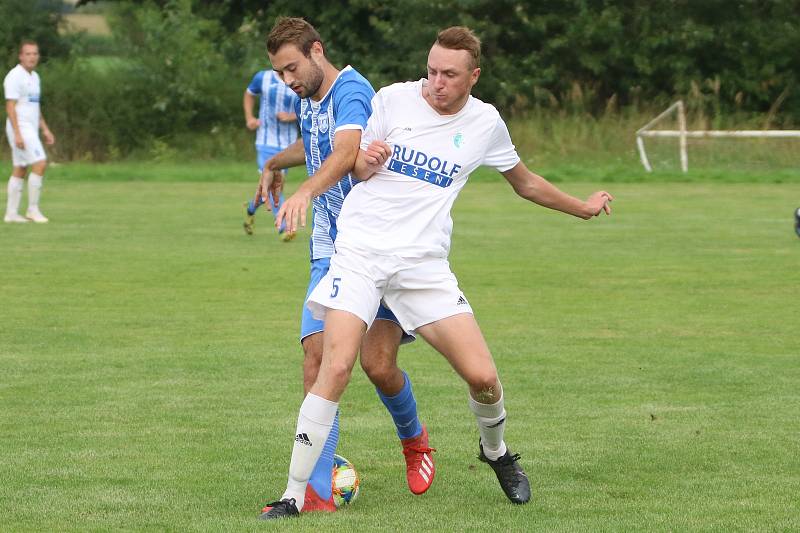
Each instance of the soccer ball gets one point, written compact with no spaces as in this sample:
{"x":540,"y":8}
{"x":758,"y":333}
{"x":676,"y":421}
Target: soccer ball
{"x":345,"y":481}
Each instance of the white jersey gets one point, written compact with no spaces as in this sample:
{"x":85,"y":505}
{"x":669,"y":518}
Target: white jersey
{"x":25,"y":88}
{"x":404,"y":208}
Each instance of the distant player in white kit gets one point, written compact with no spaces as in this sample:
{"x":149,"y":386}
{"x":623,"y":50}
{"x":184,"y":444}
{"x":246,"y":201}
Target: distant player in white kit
{"x":276,"y":129}
{"x":421,"y":142}
{"x":22,"y":89}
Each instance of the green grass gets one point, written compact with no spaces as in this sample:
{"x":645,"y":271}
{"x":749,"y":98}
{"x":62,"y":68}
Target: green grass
{"x":151,"y":373}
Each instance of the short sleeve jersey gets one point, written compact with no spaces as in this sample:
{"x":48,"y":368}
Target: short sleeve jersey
{"x":25,"y":88}
{"x":274,"y":97}
{"x":404,"y":208}
{"x":346,"y":106}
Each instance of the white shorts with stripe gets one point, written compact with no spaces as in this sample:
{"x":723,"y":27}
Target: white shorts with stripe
{"x":417,"y":291}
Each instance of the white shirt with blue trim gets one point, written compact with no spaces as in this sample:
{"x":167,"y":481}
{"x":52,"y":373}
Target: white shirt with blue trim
{"x":403,"y":210}
{"x":25,"y":88}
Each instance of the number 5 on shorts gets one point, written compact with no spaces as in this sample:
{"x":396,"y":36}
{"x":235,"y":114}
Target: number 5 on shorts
{"x":335,"y":290}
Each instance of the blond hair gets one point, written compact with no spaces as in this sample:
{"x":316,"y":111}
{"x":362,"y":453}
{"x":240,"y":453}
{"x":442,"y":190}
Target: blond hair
{"x":461,"y":38}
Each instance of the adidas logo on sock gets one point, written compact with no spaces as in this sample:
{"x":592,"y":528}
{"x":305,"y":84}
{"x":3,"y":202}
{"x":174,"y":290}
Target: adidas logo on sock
{"x":302,"y":438}
{"x":461,"y":301}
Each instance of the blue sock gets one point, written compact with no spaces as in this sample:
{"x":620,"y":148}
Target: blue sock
{"x":322,"y":476}
{"x":403,"y":408}
{"x":252,"y":206}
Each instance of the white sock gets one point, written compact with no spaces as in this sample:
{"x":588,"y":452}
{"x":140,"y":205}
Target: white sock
{"x":34,"y":191}
{"x":313,"y":426}
{"x":491,"y":426}
{"x":15,"y":186}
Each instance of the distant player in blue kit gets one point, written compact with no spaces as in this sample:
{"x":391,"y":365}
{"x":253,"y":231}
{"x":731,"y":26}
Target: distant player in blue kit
{"x":332,"y":111}
{"x":276,"y":128}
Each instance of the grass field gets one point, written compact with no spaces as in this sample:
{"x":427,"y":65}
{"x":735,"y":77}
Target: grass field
{"x":150,"y":373}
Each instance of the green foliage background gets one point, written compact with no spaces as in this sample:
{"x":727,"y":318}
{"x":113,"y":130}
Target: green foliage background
{"x":172,"y":74}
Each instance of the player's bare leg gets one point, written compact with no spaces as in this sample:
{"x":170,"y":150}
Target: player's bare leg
{"x":379,"y":361}
{"x":461,"y":342}
{"x":341,"y":341}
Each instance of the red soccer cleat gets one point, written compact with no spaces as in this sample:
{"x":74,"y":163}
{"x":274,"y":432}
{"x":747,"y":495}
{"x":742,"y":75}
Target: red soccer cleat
{"x":420,"y":469}
{"x":313,"y":502}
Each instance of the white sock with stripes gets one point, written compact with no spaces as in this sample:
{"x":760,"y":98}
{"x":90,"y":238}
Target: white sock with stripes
{"x":313,"y":426}
{"x":491,"y":426}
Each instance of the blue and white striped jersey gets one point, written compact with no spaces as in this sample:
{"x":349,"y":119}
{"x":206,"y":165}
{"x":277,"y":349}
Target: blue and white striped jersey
{"x":274,"y":97}
{"x":346,"y":106}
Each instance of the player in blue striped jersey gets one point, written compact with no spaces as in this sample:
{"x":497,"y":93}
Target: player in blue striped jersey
{"x":275,"y":126}
{"x":332,"y":112}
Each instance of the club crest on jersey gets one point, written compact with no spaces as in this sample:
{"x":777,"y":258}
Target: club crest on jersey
{"x":419,"y":165}
{"x":458,"y":140}
{"x":322,"y":122}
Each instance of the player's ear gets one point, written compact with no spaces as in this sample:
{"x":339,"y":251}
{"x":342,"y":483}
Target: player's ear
{"x":476,"y":73}
{"x":317,"y":50}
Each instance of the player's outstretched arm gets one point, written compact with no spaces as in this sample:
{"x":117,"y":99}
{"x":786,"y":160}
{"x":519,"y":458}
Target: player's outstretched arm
{"x":336,"y":165}
{"x":370,"y":160}
{"x":536,"y":189}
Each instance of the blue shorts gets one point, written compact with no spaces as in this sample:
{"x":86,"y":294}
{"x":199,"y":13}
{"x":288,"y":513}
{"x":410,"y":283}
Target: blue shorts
{"x":309,"y":325}
{"x":263,"y":153}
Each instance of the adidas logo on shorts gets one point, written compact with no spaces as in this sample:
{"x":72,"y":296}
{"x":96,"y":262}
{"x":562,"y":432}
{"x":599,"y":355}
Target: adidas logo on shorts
{"x":302,"y":438}
{"x":461,"y":301}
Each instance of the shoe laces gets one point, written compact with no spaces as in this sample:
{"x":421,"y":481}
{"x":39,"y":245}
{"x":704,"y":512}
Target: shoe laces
{"x":414,"y":454}
{"x":279,"y":503}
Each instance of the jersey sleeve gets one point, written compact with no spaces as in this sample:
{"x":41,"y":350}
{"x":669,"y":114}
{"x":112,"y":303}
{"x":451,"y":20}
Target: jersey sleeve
{"x":255,"y":84}
{"x":501,"y":154}
{"x":353,"y":106}
{"x":11,"y":87}
{"x":375,"y":129}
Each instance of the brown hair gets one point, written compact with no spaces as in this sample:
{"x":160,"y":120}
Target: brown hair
{"x":24,"y":42}
{"x":461,"y":38}
{"x":292,"y":30}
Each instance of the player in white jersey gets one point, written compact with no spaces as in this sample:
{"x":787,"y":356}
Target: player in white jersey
{"x":22,"y":89}
{"x":420,"y":145}
{"x":275,"y":127}
{"x":332,"y":111}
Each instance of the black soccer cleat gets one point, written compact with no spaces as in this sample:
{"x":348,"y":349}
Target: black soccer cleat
{"x":797,"y":221}
{"x":285,"y":508}
{"x":512,"y":478}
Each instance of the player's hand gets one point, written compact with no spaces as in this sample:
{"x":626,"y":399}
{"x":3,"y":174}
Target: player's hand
{"x":49,"y":138}
{"x":598,"y":203}
{"x":377,"y":153}
{"x":19,"y":142}
{"x":264,"y":185}
{"x":294,"y":209}
{"x":277,"y":187}
{"x":253,"y":123}
{"x":285,"y":116}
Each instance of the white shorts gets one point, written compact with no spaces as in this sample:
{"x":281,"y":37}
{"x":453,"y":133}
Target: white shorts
{"x":33,"y":152}
{"x":418,"y":292}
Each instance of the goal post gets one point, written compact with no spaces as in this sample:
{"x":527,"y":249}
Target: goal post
{"x":684,"y":135}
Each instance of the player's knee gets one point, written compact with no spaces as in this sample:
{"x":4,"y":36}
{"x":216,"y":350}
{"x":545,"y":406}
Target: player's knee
{"x":338,"y":372}
{"x":485,"y":386}
{"x":377,"y":362}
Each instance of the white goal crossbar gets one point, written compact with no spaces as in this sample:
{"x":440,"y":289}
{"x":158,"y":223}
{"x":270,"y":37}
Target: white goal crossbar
{"x":683,"y":135}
